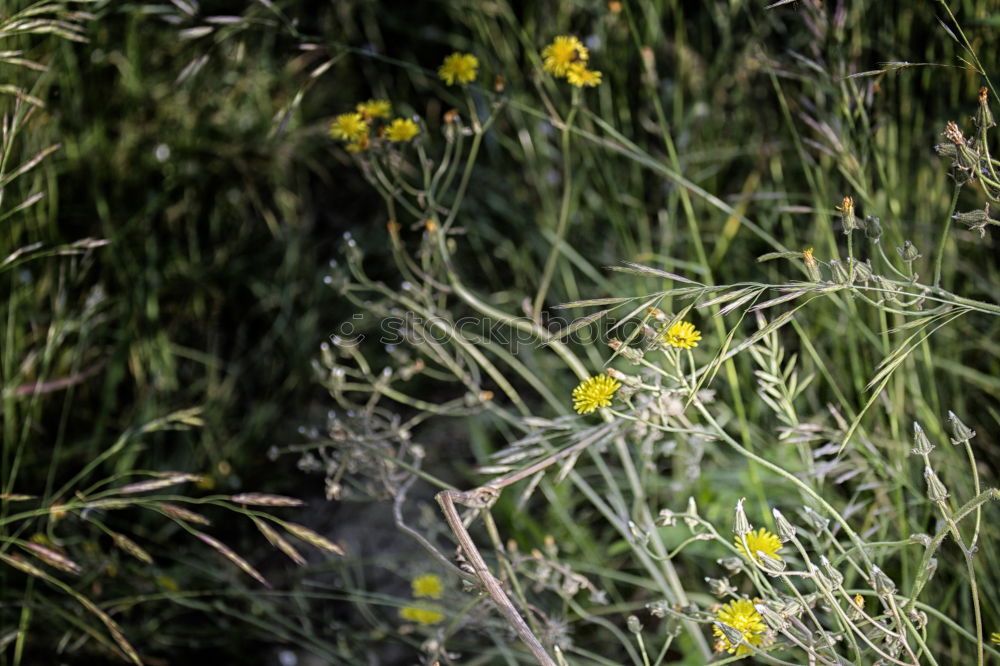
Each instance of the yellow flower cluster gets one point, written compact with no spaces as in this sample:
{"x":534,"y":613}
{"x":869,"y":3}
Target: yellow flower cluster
{"x":355,"y":128}
{"x":760,"y":541}
{"x":566,"y":58}
{"x":744,"y":618}
{"x":598,"y":391}
{"x":682,"y":335}
{"x":593,"y":393}
{"x":426,"y":586}
{"x":459,"y":68}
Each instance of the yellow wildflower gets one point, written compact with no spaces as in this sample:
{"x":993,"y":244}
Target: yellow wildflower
{"x":682,"y":335}
{"x":374,"y":108}
{"x":458,"y":68}
{"x":744,"y":618}
{"x":762,"y":541}
{"x":401,"y":129}
{"x":349,"y":127}
{"x":995,"y":638}
{"x":579,"y":76}
{"x":562,"y":53}
{"x":427,"y":585}
{"x":420,"y":615}
{"x":593,"y":393}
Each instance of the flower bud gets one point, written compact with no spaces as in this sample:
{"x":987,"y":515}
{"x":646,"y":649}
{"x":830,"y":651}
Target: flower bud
{"x":908,"y":252}
{"x":976,"y":220}
{"x":835,"y":576}
{"x":936,"y":490}
{"x":633,"y":624}
{"x":720,"y":587}
{"x":771,"y":617}
{"x":984,"y":117}
{"x":771,"y":565}
{"x":734,"y":636}
{"x":741,"y":525}
{"x":960,"y":433}
{"x":847,"y":215}
{"x":921,"y":445}
{"x":882,"y":584}
{"x":786,"y":531}
{"x":873,"y":228}
{"x":812,"y":267}
{"x":840,"y":274}
{"x":692,"y":515}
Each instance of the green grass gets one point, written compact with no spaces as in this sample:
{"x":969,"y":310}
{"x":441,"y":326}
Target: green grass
{"x":722,"y":133}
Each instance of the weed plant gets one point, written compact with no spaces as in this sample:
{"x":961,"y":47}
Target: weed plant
{"x":673,"y":345}
{"x":766,"y":455}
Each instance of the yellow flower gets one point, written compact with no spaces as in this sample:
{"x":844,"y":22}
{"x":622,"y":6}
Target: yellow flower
{"x":761,"y":540}
{"x":401,"y":129}
{"x":427,"y":585}
{"x":458,"y":68}
{"x":682,"y":335}
{"x":593,"y":393}
{"x":420,"y":615}
{"x":375,"y":108}
{"x":744,"y":618}
{"x":349,"y":127}
{"x":995,"y":638}
{"x":562,"y":53}
{"x":580,"y":76}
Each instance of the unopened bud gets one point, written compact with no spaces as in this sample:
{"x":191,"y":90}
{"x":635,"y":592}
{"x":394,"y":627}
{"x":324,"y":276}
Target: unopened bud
{"x":786,"y":531}
{"x":862,"y":270}
{"x":873,"y":228}
{"x":631,"y":353}
{"x":741,"y":525}
{"x":773,"y":566}
{"x":734,"y":636}
{"x":976,"y":220}
{"x":882,"y":584}
{"x":960,"y":433}
{"x":921,"y":445}
{"x":720,"y":587}
{"x":817,"y":521}
{"x":691,"y":519}
{"x":835,"y":576}
{"x":908,"y":252}
{"x":936,"y":491}
{"x":823,"y":582}
{"x":840,"y":274}
{"x":771,"y":617}
{"x":984,"y":117}
{"x":633,"y":624}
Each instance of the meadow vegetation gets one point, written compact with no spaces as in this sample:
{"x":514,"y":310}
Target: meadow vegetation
{"x":652,"y":332}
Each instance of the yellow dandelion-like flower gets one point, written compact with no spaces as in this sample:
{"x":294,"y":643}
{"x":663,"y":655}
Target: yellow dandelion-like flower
{"x":762,"y":541}
{"x":349,"y":127}
{"x":744,"y":618}
{"x":420,"y":615}
{"x":579,"y":76}
{"x":401,"y":129}
{"x":459,"y":68}
{"x":562,"y":53}
{"x":995,"y":638}
{"x":682,"y":335}
{"x":427,"y":585}
{"x":593,"y":393}
{"x":374,"y":108}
